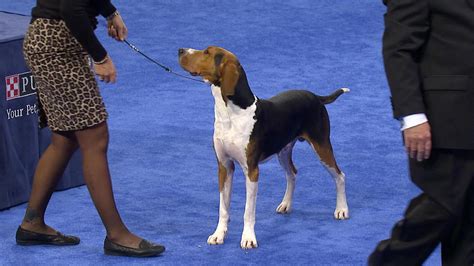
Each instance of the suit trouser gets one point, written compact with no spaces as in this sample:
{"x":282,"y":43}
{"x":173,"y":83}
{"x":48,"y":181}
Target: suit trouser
{"x":443,"y":213}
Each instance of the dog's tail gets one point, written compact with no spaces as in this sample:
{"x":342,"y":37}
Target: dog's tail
{"x":331,"y":98}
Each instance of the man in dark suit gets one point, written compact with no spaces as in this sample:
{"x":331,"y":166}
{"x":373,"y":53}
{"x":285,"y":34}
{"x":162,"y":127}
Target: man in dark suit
{"x":428,"y":50}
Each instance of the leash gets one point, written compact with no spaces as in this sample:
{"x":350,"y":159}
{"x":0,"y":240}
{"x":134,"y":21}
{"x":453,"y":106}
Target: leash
{"x":167,"y":69}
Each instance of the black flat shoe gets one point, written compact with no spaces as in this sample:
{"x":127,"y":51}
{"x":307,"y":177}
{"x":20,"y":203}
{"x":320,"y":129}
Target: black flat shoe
{"x":29,"y":238}
{"x":145,"y":249}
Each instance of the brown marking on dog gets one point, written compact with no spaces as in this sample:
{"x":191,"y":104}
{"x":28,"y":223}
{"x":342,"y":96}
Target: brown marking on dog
{"x":324,"y":151}
{"x":253,"y":173}
{"x":223,"y":173}
{"x":253,"y":158}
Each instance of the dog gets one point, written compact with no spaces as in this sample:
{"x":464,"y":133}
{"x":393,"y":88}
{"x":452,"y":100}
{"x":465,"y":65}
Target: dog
{"x":249,"y":130}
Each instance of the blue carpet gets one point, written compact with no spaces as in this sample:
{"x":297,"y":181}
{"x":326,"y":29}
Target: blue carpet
{"x":161,"y":157}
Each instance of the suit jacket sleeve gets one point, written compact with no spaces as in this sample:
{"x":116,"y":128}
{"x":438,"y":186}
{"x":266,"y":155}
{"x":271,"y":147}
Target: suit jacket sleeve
{"x":407,"y":25}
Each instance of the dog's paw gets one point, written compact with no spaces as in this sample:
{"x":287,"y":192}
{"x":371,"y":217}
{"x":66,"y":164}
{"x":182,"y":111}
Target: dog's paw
{"x":248,"y":241}
{"x":217,"y":238}
{"x":341,"y":213}
{"x":284,"y":207}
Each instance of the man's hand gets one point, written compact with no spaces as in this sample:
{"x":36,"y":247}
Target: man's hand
{"x":116,"y":28}
{"x":418,"y":141}
{"x":106,"y":71}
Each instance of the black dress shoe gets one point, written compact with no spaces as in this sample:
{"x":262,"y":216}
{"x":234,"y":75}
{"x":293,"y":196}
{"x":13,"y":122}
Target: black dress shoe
{"x":145,"y":249}
{"x":29,"y":238}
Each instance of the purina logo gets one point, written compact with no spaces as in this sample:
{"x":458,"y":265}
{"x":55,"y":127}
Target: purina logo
{"x":20,"y":85}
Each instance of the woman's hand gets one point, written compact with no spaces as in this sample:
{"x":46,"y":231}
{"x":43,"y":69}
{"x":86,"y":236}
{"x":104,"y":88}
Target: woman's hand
{"x":116,"y":27}
{"x":106,"y":71}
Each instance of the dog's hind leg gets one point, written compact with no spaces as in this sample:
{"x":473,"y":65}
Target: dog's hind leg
{"x":226,"y":172}
{"x":326,"y":155}
{"x":284,"y":157}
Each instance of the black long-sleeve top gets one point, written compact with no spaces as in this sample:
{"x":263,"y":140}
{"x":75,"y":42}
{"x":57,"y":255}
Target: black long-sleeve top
{"x":80,"y":18}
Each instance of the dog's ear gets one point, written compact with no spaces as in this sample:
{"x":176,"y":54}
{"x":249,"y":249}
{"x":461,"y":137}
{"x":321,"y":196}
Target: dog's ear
{"x":228,"y":79}
{"x":218,"y":60}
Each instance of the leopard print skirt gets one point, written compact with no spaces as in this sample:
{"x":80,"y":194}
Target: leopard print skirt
{"x":68,"y":94}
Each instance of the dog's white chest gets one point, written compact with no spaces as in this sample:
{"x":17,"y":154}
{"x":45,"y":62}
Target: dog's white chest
{"x":232,"y":127}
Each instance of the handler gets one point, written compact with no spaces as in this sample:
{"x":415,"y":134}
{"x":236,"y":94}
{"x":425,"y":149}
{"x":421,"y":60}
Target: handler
{"x":58,"y":46}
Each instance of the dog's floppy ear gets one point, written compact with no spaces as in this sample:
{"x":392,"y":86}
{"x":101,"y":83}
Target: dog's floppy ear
{"x":218,"y":60}
{"x":229,"y":76}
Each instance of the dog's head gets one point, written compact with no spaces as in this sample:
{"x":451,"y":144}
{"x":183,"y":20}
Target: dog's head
{"x":214,"y":64}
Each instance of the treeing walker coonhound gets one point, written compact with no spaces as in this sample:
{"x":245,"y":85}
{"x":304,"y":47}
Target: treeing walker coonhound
{"x":249,"y":130}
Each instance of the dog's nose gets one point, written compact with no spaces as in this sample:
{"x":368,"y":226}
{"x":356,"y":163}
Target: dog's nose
{"x":181,"y":51}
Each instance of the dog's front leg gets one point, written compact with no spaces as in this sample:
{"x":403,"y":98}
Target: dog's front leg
{"x":226,"y":172}
{"x":249,"y":240}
